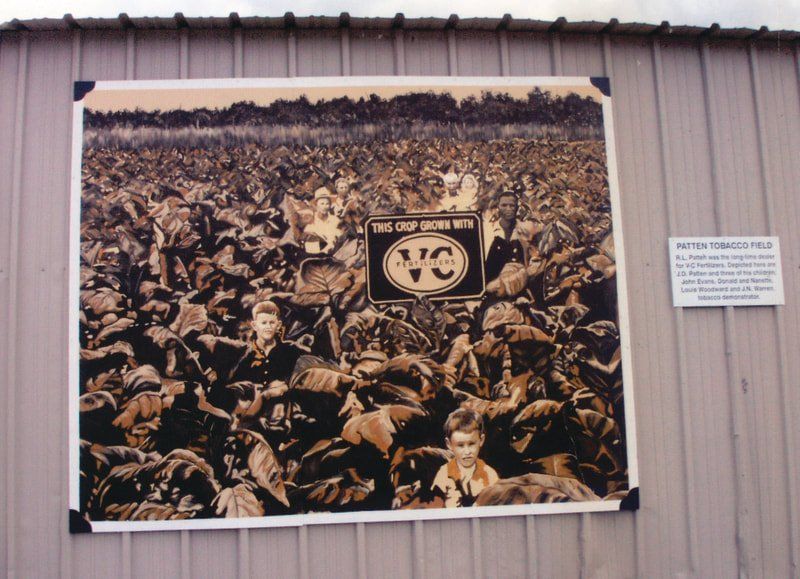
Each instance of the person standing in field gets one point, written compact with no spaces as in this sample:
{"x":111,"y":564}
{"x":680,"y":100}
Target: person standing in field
{"x":460,"y":194}
{"x":504,"y":235}
{"x":460,"y":480}
{"x":342,"y":188}
{"x":320,"y":236}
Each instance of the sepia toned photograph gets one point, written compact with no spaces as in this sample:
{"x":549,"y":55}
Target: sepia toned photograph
{"x":306,"y":301}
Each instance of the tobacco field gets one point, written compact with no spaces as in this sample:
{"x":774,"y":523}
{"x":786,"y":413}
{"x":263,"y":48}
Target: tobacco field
{"x":177,"y":244}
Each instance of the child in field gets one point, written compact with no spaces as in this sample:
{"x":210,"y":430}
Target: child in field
{"x":461,"y":480}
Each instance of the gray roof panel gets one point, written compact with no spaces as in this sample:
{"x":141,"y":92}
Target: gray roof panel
{"x":344,"y":20}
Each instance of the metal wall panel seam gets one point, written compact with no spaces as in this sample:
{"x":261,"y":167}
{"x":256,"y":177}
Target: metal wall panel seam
{"x":531,"y":551}
{"x":683,"y":378}
{"x":556,"y":63}
{"x":635,"y":100}
{"x":505,"y":57}
{"x":302,"y":550}
{"x":399,"y":52}
{"x":238,"y":54}
{"x":607,"y":64}
{"x":584,"y":537}
{"x":66,"y":538}
{"x":780,"y":326}
{"x":11,"y":314}
{"x":186,"y":556}
{"x":361,"y":550}
{"x":345,"y":43}
{"x":418,"y":564}
{"x":743,"y":547}
{"x":243,"y":552}
{"x":184,"y":53}
{"x":130,"y":53}
{"x":127,"y":556}
{"x":291,"y":45}
{"x":452,"y":54}
{"x":477,"y":548}
{"x":608,"y":68}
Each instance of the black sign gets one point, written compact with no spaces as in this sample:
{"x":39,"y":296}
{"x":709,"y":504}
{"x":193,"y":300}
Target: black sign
{"x":439,"y":255}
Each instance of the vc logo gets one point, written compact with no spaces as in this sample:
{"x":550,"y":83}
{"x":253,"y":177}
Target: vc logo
{"x":425,"y":263}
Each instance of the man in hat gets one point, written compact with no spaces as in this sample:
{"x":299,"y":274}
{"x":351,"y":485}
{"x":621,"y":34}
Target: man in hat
{"x":323,"y":232}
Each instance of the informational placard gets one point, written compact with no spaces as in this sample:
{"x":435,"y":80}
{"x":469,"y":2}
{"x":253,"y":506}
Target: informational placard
{"x":726,"y":271}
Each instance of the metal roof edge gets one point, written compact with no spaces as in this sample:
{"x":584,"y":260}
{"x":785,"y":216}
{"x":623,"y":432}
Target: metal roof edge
{"x":289,"y":20}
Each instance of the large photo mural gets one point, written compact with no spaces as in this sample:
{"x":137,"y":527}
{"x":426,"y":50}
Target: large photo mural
{"x":326,"y":300}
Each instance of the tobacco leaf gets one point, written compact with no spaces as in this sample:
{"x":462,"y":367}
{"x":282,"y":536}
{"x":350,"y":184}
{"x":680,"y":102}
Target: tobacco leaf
{"x":319,"y":280}
{"x":118,"y":326}
{"x":377,"y":428}
{"x":120,"y":347}
{"x":191,"y":317}
{"x":342,"y":492}
{"x":262,"y":467}
{"x":101,"y":301}
{"x":169,"y":227}
{"x":238,"y":501}
{"x":145,"y":377}
{"x":510,"y":282}
{"x":535,"y":488}
{"x":501,"y":314}
{"x":320,"y":379}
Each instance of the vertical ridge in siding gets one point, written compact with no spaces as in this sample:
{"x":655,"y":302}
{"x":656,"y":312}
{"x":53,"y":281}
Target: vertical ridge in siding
{"x":318,"y":53}
{"x":745,"y":541}
{"x":477,"y":53}
{"x":668,"y":188}
{"x":447,"y":548}
{"x":420,"y":567}
{"x":265,"y":53}
{"x":157,"y":55}
{"x":783,"y":122}
{"x":66,"y":555}
{"x":103,"y":56}
{"x":210,"y":53}
{"x":582,"y":55}
{"x":16,"y":82}
{"x":372,"y":52}
{"x":425,"y":53}
{"x":40,"y":280}
{"x":710,"y":485}
{"x":660,"y":524}
{"x":783,"y":477}
{"x":503,"y":547}
{"x":389,"y":550}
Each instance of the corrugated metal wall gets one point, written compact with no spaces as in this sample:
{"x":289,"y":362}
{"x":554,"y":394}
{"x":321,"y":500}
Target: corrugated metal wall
{"x":708,"y":140}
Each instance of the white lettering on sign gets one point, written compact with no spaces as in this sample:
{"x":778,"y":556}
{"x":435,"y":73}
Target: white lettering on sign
{"x":725,"y":271}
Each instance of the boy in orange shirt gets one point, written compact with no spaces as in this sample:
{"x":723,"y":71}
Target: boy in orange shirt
{"x":461,"y":480}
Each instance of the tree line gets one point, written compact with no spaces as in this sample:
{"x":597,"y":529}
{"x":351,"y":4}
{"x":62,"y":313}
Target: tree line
{"x":538,"y":108}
